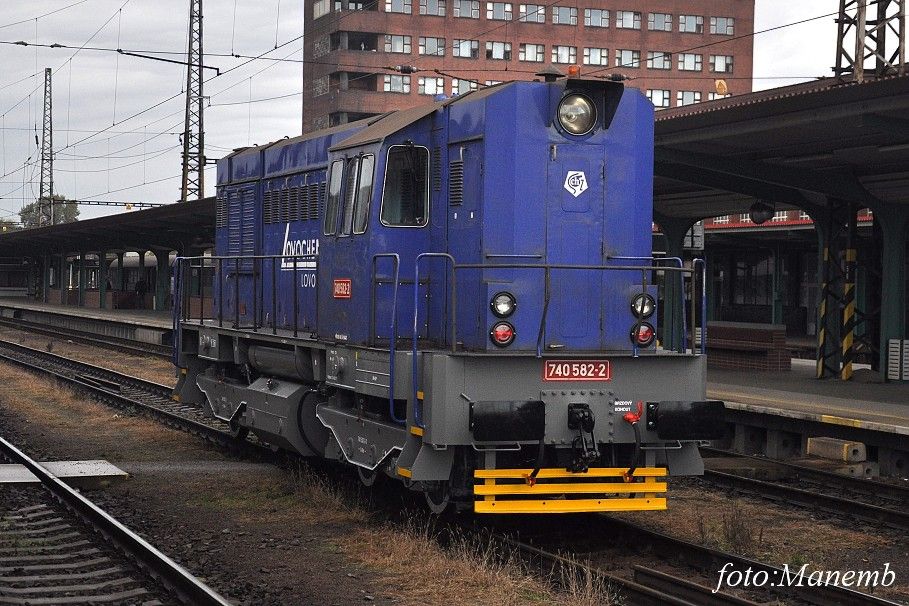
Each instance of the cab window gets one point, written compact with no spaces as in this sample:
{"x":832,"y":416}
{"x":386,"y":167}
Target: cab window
{"x":364,"y":194}
{"x":350,"y":194}
{"x":330,"y":224}
{"x":405,"y":200}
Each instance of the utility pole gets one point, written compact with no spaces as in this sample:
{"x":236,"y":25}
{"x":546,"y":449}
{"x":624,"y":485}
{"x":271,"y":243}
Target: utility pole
{"x":879,"y":35}
{"x":46,"y":214}
{"x":193,"y":184}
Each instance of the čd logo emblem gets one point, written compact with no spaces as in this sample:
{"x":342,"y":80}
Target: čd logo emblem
{"x":576,"y":182}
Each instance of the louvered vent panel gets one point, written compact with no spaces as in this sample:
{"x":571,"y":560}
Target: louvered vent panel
{"x":285,"y":205}
{"x":436,"y":169}
{"x":221,"y":212}
{"x":270,"y":210}
{"x":456,"y":182}
{"x":234,"y":215}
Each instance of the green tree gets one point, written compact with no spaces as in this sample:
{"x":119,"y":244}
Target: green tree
{"x":64,"y":212}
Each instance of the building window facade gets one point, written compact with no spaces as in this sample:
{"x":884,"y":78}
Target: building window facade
{"x":498,"y":11}
{"x":721,"y":64}
{"x":432,"y":7}
{"x":398,"y":6}
{"x":397,"y":84}
{"x":431,"y":86}
{"x":432,"y":46}
{"x":687,"y":97}
{"x":467,"y":9}
{"x":460,"y":87}
{"x":659,"y":97}
{"x":532,"y":52}
{"x":564,"y":15}
{"x":498,"y":50}
{"x":724,"y":26}
{"x":628,"y":20}
{"x":596,"y":17}
{"x":780,"y":216}
{"x":320,"y":8}
{"x":715,"y":96}
{"x":596,"y":56}
{"x":691,"y":24}
{"x":690,"y":62}
{"x":564,"y":54}
{"x":659,"y":22}
{"x":627,"y":58}
{"x":468,"y":49}
{"x":659,"y":60}
{"x":722,"y":219}
{"x":397,"y":44}
{"x":532,"y":13}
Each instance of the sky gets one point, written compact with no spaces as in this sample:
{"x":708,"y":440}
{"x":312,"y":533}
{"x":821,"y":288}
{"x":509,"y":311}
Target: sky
{"x":117,"y":118}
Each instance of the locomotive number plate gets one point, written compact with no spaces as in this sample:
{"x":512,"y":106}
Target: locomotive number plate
{"x":576,"y":370}
{"x":341,"y":288}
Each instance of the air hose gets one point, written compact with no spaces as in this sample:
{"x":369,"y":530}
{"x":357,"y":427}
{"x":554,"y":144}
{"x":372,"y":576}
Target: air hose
{"x":632,"y":418}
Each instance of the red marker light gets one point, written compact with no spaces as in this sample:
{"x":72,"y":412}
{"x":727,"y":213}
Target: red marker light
{"x":645,"y":334}
{"x":502,"y":334}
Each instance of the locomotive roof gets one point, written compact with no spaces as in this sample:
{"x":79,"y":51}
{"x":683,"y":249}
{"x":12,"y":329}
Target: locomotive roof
{"x":392,"y":122}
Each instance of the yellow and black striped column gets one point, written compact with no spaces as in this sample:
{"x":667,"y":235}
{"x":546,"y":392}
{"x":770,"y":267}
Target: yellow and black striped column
{"x":849,"y":318}
{"x":822,"y":319}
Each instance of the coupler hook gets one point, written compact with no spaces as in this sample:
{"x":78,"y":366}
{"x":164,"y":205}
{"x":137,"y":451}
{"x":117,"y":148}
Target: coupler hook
{"x":581,"y":418}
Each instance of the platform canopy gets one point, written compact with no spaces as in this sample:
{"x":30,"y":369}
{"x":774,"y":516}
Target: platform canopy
{"x":794,"y":147}
{"x":176,"y":226}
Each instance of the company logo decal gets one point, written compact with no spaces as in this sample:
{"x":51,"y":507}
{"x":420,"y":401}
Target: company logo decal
{"x":341,"y":288}
{"x":576,"y":182}
{"x":300,"y":248}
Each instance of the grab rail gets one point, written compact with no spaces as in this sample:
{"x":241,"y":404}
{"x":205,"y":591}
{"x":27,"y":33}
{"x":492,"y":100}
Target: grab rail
{"x":394,"y":330}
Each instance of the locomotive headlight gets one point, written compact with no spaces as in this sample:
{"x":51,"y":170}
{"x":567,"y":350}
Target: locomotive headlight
{"x":502,"y":334}
{"x":503,"y":304}
{"x":577,"y":114}
{"x":642,"y":306}
{"x":645,"y":334}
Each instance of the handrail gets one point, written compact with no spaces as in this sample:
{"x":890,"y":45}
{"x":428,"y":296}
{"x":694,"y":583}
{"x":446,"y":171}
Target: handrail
{"x":394,"y":331}
{"x":703,"y":263}
{"x":681,"y":265}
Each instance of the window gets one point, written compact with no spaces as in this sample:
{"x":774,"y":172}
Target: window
{"x":405,"y":200}
{"x":691,"y":24}
{"x":660,"y":22}
{"x":397,"y":84}
{"x":320,"y":86}
{"x":364,"y":194}
{"x":721,"y":63}
{"x":468,"y":9}
{"x":690,"y":62}
{"x":745,"y":218}
{"x":461,"y":87}
{"x":432,"y":46}
{"x":431,"y":86}
{"x":721,"y":220}
{"x":564,"y":54}
{"x":432,"y":7}
{"x":320,"y":8}
{"x":469,"y":49}
{"x":627,"y":58}
{"x":595,"y":17}
{"x":596,"y":56}
{"x":780,"y":216}
{"x":492,"y":82}
{"x":330,"y":224}
{"x":564,"y":15}
{"x":351,"y":173}
{"x":803,"y":216}
{"x":659,"y":60}
{"x":725,"y":26}
{"x":628,"y":19}
{"x":398,"y":6}
{"x":532,"y":52}
{"x":397,"y":44}
{"x":532,"y":13}
{"x":498,"y":50}
{"x":687,"y":97}
{"x":715,"y":96}
{"x":659,"y":97}
{"x":498,"y":11}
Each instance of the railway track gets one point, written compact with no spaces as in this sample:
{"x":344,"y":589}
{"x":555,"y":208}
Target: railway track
{"x":648,"y":586}
{"x":117,"y":344}
{"x":853,"y":498}
{"x":57,"y":547}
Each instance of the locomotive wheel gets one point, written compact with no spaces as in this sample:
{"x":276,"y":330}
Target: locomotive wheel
{"x":438,"y":497}
{"x":237,"y":431}
{"x":368,"y":477}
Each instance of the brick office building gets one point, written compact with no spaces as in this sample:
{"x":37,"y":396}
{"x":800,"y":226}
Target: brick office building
{"x":673,"y":50}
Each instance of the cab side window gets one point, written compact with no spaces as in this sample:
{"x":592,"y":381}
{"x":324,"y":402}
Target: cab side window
{"x":350,"y":194}
{"x":330,"y":224}
{"x":364,"y":194}
{"x":405,"y":200}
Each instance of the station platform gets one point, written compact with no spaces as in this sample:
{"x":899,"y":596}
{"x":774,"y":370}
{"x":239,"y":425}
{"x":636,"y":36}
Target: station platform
{"x":140,"y":325}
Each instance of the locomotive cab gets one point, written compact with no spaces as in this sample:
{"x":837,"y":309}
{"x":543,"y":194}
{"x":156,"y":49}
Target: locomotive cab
{"x":461,"y":296}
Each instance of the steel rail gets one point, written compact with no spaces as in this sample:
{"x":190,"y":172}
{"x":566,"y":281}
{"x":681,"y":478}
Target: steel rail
{"x":116,"y":343}
{"x":839,"y":506}
{"x":187,"y":588}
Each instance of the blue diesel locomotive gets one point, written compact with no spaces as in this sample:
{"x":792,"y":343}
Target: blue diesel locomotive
{"x":460,"y":296}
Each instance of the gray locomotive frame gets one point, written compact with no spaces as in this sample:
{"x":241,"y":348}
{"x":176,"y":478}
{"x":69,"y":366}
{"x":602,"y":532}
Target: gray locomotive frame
{"x":451,"y":383}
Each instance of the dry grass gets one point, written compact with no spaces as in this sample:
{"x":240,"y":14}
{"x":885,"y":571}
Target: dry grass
{"x":151,"y":368}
